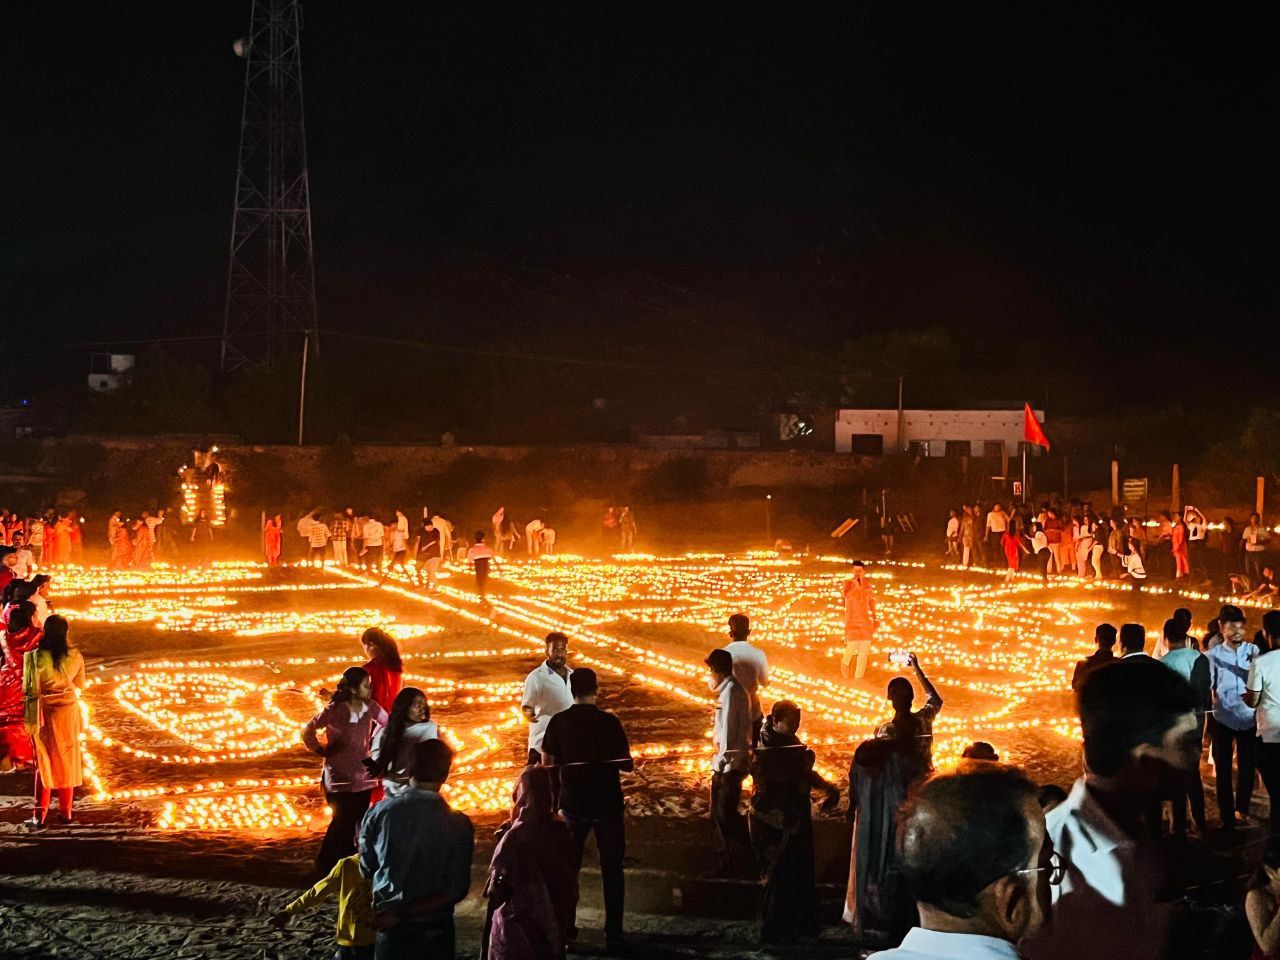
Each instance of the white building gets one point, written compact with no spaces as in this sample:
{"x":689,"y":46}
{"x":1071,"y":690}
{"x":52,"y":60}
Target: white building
{"x":107,"y":371}
{"x":931,"y":433}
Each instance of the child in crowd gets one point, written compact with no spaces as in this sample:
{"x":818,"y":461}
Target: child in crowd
{"x":355,"y":933}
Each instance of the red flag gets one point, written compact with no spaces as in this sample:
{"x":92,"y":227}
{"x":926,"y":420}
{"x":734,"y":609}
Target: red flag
{"x":1032,"y":432}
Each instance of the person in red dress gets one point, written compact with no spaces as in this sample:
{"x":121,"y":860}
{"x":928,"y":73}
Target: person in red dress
{"x":121,"y":548}
{"x":1181,"y":549}
{"x":385,"y":668}
{"x":273,"y":541}
{"x":61,"y":540}
{"x":1013,"y":550}
{"x":16,"y":639}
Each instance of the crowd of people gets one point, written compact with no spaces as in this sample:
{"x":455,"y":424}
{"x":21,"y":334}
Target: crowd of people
{"x":41,"y":674}
{"x":1072,"y":539}
{"x":380,"y":543}
{"x":975,"y":861}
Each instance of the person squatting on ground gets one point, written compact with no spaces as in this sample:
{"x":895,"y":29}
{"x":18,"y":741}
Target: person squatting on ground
{"x":354,"y":930}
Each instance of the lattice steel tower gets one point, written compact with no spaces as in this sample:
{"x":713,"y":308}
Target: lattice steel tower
{"x":271,"y":281}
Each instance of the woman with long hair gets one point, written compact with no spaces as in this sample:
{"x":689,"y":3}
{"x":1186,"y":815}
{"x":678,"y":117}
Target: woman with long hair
{"x":348,"y":723}
{"x":533,"y":879}
{"x":53,"y":675}
{"x":392,"y":749}
{"x":385,"y":668}
{"x":18,"y":637}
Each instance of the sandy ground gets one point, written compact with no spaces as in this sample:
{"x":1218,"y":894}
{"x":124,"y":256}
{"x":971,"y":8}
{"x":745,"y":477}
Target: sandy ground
{"x":115,"y":886}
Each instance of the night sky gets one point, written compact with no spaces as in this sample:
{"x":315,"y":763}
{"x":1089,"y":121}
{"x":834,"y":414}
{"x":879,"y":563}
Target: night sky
{"x":1079,"y":201}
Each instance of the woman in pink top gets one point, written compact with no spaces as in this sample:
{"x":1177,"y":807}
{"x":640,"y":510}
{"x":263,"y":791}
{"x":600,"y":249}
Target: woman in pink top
{"x":348,"y":723}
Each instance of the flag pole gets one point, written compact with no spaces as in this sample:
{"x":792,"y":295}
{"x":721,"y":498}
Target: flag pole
{"x":1024,"y":473}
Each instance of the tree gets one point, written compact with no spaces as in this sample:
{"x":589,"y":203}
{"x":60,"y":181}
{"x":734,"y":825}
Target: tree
{"x":926,"y":359}
{"x":1260,"y":441}
{"x":162,"y":394}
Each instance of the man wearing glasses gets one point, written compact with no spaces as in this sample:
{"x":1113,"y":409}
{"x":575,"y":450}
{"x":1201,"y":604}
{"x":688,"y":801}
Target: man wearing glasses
{"x":975,"y":850}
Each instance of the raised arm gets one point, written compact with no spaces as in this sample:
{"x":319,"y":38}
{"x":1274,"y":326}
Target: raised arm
{"x":932,"y":697}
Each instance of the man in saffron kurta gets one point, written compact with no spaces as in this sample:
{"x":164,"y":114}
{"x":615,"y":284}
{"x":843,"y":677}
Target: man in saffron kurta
{"x":860,"y":620}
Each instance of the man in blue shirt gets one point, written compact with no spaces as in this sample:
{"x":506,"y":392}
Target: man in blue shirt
{"x":1235,"y":726}
{"x":416,"y":851}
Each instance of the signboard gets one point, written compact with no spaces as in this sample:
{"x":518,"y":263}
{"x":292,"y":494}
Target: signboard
{"x":1134,"y":491}
{"x":1017,"y":488}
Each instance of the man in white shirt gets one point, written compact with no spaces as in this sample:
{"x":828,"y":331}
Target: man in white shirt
{"x":318,"y":538}
{"x":976,"y":852}
{"x":731,"y":736}
{"x":997,"y":524}
{"x":1262,"y":691}
{"x":1255,"y":537}
{"x":533,"y":536}
{"x":546,"y":692}
{"x":750,"y":668}
{"x":373,"y":534}
{"x":1140,"y":731}
{"x":953,"y":536}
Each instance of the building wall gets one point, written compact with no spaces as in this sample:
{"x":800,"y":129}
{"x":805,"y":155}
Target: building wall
{"x":928,"y":431}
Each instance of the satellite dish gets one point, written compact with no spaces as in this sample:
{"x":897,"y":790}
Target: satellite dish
{"x":241,"y":47}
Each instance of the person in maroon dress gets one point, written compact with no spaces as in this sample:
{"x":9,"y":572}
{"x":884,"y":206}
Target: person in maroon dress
{"x":386,"y":671}
{"x":16,"y":639}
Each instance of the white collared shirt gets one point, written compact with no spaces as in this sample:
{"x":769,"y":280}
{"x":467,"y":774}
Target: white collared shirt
{"x":1106,"y":904}
{"x":1264,"y":680}
{"x":922,"y":944}
{"x":751,"y":669}
{"x":548,"y":694}
{"x":731,"y":728}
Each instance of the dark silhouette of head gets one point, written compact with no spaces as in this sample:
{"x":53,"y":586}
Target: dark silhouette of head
{"x":901,"y":694}
{"x":1133,"y":638}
